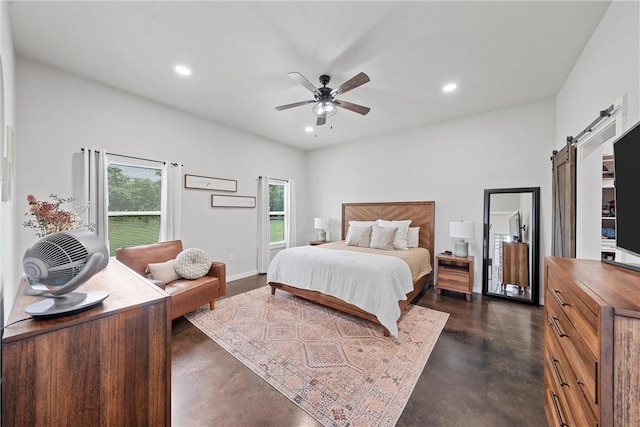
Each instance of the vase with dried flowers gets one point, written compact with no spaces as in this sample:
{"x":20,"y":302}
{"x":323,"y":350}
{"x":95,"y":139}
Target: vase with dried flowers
{"x":49,"y":217}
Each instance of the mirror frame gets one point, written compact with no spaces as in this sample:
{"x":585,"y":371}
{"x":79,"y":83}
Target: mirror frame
{"x":535,"y":243}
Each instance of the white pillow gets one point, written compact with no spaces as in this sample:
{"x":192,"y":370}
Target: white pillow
{"x":359,"y":236}
{"x":358,"y":224}
{"x":400,"y":242}
{"x":383,"y":237}
{"x":413,"y":237}
{"x":193,"y":263}
{"x":163,"y":272}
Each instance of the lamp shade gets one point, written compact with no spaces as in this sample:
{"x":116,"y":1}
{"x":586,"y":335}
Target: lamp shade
{"x":320,"y":223}
{"x":461,"y":229}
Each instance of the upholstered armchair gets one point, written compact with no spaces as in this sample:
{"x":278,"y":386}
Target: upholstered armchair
{"x":186,"y":295}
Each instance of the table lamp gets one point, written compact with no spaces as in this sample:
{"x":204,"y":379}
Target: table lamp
{"x":461,"y":230}
{"x":321,"y":224}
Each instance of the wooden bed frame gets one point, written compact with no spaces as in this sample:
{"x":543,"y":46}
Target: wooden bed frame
{"x":421,"y":214}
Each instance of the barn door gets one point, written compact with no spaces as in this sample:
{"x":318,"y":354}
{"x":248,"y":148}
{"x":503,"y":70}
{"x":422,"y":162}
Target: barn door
{"x":564,"y":202}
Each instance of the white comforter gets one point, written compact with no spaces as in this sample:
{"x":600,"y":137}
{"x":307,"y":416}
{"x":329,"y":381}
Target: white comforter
{"x":374,"y":283}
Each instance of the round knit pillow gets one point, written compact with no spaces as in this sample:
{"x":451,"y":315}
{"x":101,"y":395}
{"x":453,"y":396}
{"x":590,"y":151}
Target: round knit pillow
{"x":192,"y":263}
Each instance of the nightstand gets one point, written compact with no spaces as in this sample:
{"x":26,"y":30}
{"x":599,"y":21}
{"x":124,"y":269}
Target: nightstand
{"x":317,"y":242}
{"x":454,"y":274}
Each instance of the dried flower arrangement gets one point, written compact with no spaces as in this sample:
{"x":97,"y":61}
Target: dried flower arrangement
{"x":48,"y":217}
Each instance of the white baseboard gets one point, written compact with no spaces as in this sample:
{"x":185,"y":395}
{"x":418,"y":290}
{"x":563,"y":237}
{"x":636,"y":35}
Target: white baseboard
{"x":241,"y":275}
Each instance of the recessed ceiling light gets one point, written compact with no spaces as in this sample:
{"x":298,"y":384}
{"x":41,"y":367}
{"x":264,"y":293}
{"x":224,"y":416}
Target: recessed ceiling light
{"x":308,"y":129}
{"x":182,"y":70}
{"x":449,"y":87}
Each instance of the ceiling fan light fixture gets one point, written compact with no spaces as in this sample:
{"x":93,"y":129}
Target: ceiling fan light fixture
{"x":324,"y":99}
{"x":324,"y":109}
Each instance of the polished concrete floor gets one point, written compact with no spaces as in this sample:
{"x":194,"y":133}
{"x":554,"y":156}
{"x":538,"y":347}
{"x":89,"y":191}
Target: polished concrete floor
{"x":485,"y":370}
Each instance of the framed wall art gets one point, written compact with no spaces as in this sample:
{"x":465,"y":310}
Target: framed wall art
{"x":209,"y":183}
{"x":224,"y":201}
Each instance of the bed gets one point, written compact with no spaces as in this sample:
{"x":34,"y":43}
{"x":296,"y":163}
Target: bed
{"x":421,"y":214}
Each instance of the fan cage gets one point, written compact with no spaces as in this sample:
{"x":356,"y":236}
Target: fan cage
{"x":58,"y":250}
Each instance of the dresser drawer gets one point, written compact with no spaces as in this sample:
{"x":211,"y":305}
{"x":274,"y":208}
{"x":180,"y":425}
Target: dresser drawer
{"x":558,"y":369}
{"x":555,"y":406}
{"x":584,"y":365}
{"x":583,"y":318}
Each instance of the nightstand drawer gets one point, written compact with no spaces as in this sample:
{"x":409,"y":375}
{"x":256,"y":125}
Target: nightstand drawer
{"x":453,"y":277}
{"x":454,"y":274}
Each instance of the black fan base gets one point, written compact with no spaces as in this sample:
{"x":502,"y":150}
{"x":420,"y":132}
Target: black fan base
{"x":66,"y":304}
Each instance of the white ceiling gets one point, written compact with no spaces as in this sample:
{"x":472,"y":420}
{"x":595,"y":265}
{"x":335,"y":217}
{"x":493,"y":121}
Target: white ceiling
{"x":499,"y":53}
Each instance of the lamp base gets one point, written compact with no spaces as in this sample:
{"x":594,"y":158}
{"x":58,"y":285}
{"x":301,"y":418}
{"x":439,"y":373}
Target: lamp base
{"x":462,"y":249}
{"x":322,"y":236}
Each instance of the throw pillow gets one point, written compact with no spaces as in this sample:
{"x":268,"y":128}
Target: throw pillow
{"x":162,"y":273}
{"x":193,"y":263}
{"x":358,"y":224}
{"x":413,"y":237}
{"x":359,"y":236}
{"x":383,"y":237}
{"x":400,"y":241}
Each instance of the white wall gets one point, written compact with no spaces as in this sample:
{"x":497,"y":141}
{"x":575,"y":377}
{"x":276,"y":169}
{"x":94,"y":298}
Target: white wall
{"x":7,"y":209}
{"x":452,"y":162}
{"x":607,"y":69}
{"x":60,"y":113}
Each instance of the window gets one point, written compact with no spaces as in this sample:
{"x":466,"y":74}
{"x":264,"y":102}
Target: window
{"x":276,"y":213}
{"x":276,"y":218}
{"x":134,"y":209}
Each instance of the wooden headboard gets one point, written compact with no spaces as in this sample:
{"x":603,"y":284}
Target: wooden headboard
{"x":421,"y":214}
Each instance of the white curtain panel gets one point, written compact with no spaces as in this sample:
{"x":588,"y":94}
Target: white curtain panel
{"x":290,"y":214}
{"x":96,"y":195}
{"x":264,"y":247}
{"x":171,"y":209}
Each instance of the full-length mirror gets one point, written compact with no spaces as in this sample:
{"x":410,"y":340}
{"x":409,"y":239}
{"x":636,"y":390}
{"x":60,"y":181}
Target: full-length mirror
{"x":510,"y":246}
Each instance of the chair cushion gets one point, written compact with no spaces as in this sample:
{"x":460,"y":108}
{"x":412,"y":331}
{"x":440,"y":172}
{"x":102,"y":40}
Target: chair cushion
{"x":192,"y":263}
{"x":182,"y":290}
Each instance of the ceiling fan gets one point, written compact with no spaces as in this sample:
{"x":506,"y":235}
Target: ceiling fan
{"x":325,"y":98}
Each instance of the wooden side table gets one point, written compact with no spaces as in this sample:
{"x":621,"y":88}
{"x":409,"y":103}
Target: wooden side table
{"x":317,"y":242}
{"x":455,"y":274}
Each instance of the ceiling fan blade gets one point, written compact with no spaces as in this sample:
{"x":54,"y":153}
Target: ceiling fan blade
{"x":357,"y":80}
{"x":295,"y":104}
{"x":303,"y":81}
{"x":321,"y":120}
{"x":352,"y":107}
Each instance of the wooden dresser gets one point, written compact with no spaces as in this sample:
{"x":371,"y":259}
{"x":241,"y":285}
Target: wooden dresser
{"x":515,"y":264}
{"x":591,"y":344}
{"x":108,"y":365}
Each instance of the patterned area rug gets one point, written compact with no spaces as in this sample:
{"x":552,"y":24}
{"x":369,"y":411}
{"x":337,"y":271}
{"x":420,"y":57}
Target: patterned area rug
{"x":340,"y":369}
